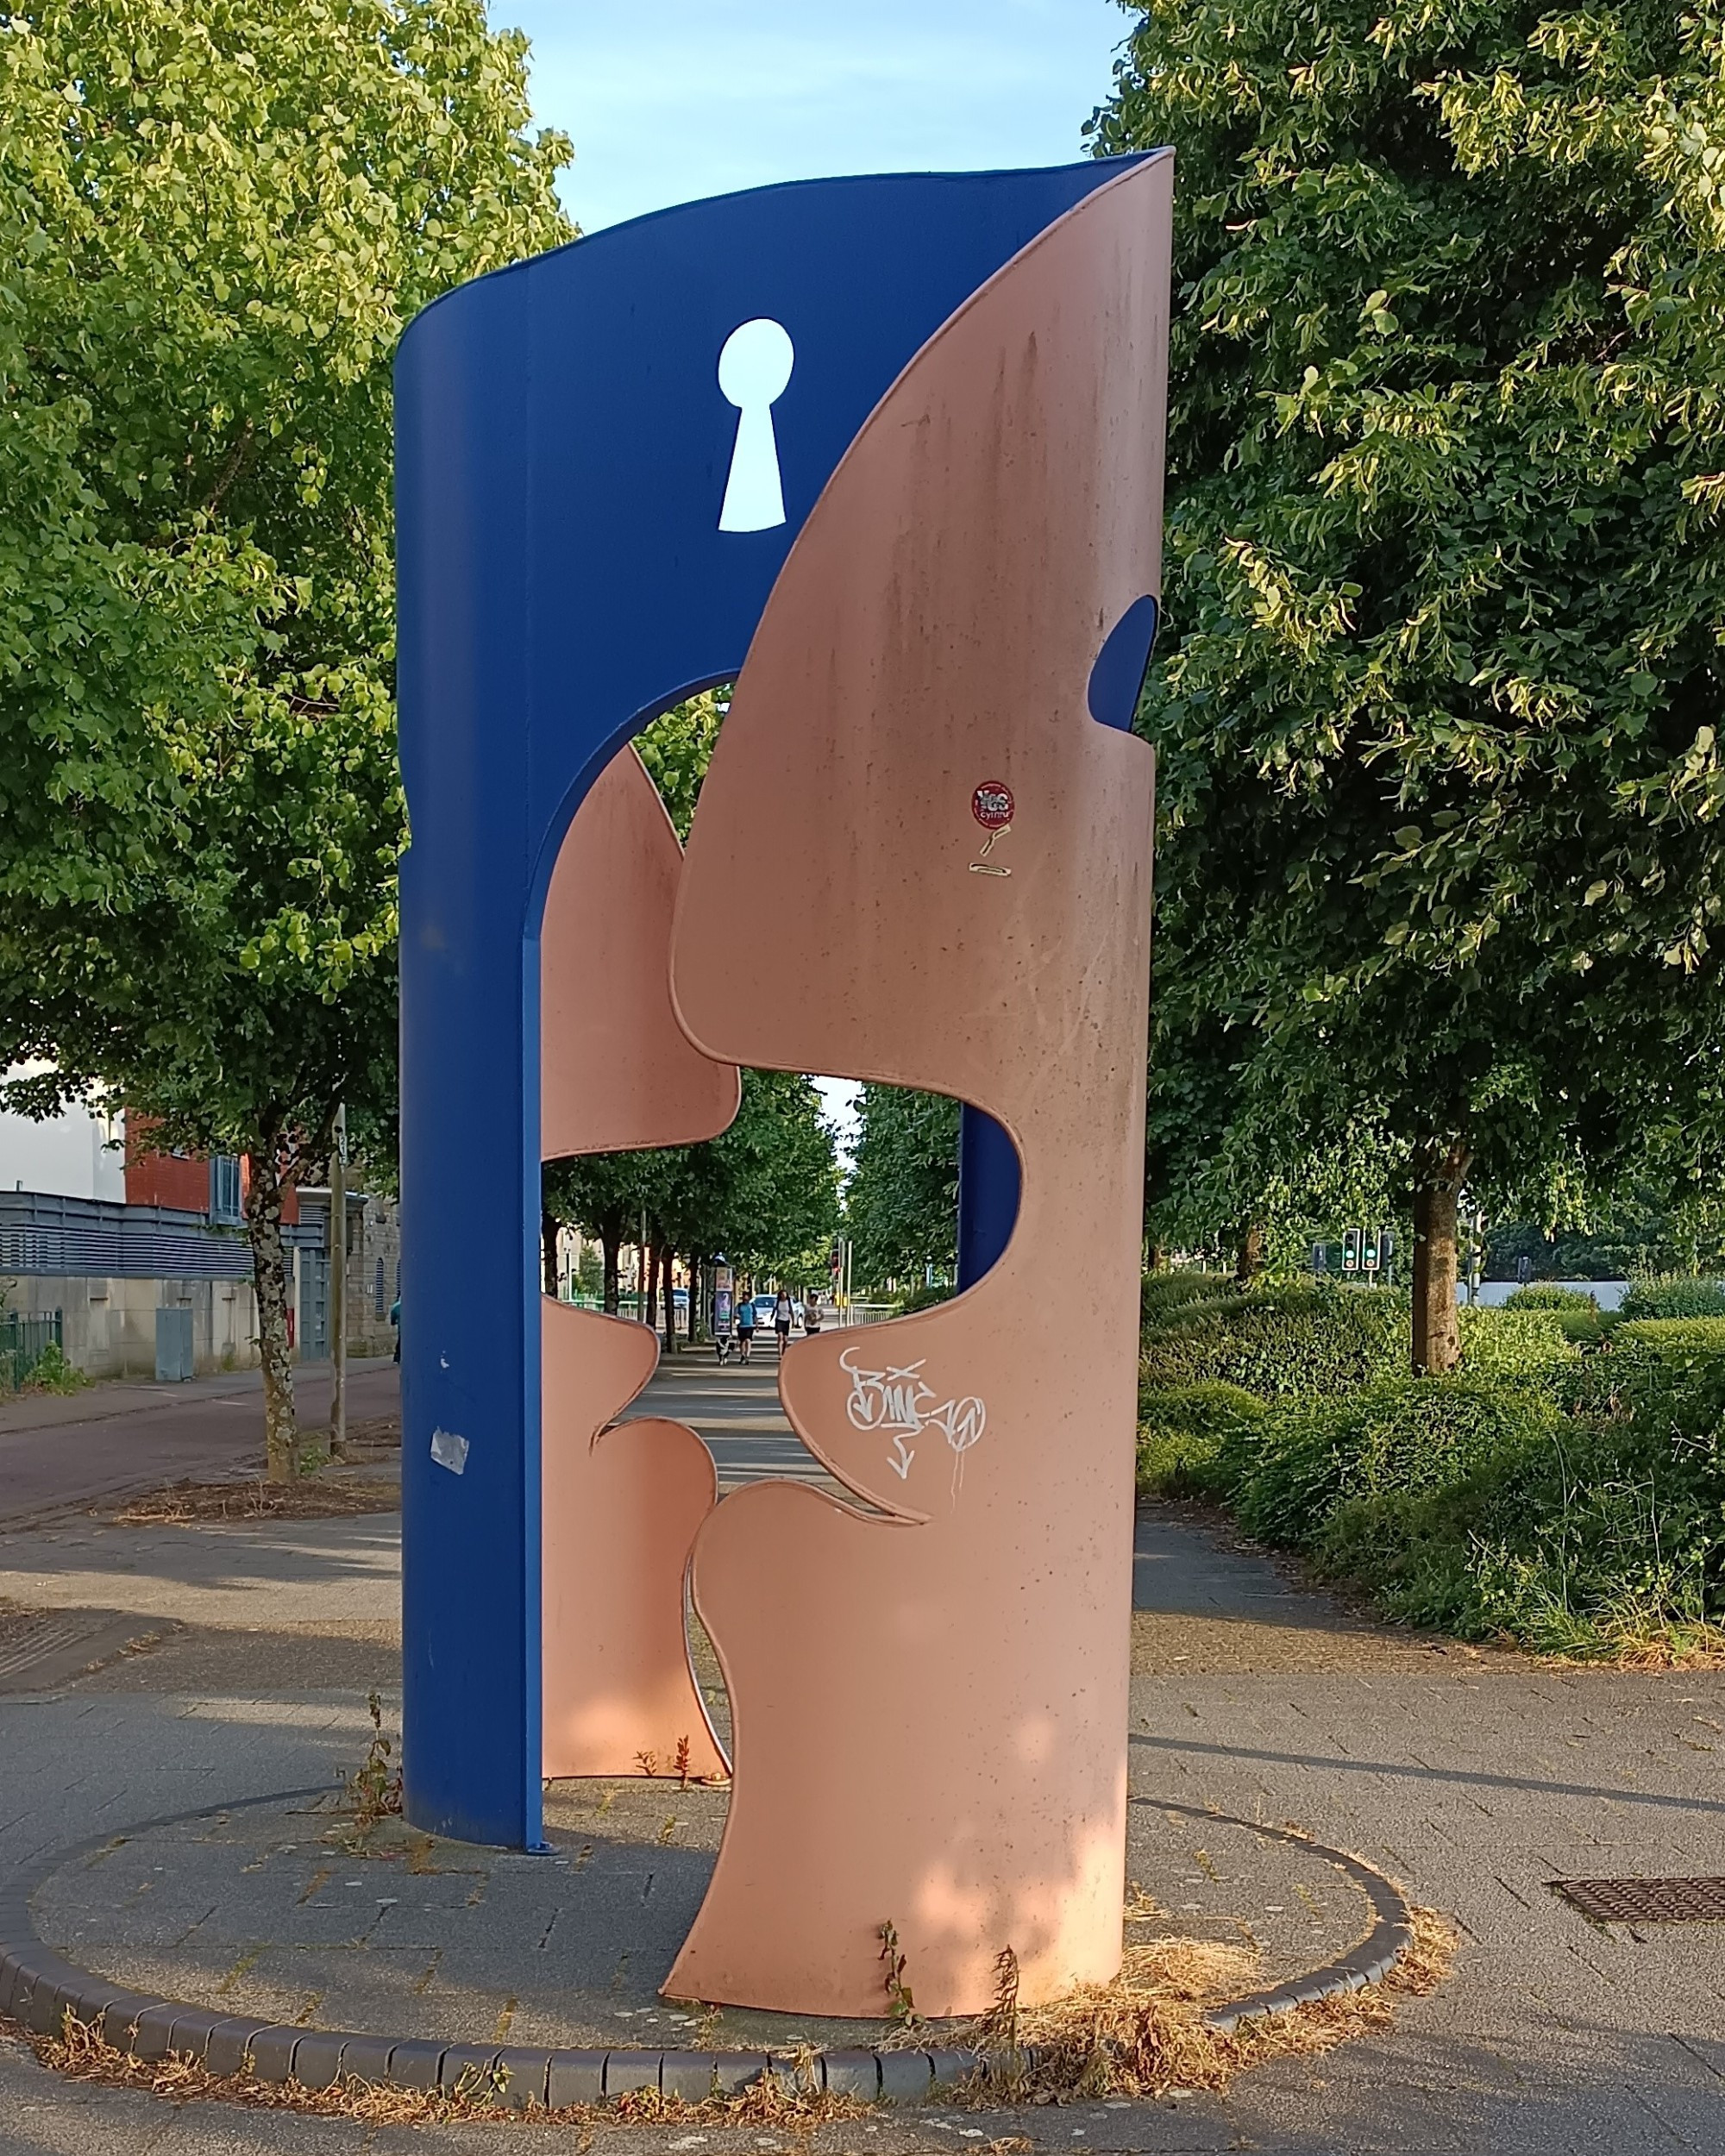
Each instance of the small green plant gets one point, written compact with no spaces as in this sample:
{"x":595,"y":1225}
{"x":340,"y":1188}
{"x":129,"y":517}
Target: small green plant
{"x":54,"y":1373}
{"x":374,"y":1790}
{"x":900,"y":2003}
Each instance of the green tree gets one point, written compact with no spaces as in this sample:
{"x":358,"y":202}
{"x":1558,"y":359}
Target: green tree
{"x":764,"y":1193}
{"x":1437,"y":703}
{"x":901,"y":1203}
{"x":677,"y":748}
{"x":216,"y":215}
{"x":606,"y":1196}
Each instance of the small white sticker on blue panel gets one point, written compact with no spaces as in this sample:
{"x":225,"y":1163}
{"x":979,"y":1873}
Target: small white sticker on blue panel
{"x":449,"y":1451}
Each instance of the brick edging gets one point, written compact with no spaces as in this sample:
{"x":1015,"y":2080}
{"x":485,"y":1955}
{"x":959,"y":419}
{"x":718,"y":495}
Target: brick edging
{"x":39,"y":1987}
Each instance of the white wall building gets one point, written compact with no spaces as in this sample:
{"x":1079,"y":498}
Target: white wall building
{"x":76,"y":1154}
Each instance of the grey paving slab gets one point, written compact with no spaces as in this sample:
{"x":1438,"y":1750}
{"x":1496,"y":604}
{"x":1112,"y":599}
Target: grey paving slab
{"x":1475,"y":1779}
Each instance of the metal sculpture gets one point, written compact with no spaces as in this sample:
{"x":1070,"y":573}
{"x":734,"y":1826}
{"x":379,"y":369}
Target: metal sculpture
{"x":621,"y":1506}
{"x":930,"y":1709}
{"x":573,"y":559}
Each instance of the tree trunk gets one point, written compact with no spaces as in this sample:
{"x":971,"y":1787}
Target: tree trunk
{"x":1155,"y":1258}
{"x":269,"y":1276}
{"x":1248,"y":1252}
{"x":667,"y":1258}
{"x":548,"y":1228}
{"x":647,"y":1272}
{"x":1439,"y":1171}
{"x":610,"y":1243}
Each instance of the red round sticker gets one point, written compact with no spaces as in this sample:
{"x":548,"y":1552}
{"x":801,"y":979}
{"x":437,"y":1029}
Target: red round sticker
{"x":992,"y":804}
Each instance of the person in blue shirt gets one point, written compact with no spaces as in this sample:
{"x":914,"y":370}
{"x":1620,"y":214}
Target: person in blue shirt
{"x":745,"y":1327}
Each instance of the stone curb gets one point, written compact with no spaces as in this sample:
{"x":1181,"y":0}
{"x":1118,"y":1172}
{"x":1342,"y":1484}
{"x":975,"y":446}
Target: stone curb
{"x":1370,"y":1962}
{"x":39,"y":1988}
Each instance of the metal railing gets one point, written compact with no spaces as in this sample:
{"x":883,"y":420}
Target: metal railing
{"x":25,"y":1340}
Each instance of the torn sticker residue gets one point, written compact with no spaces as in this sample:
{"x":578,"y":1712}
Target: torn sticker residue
{"x":449,"y":1451}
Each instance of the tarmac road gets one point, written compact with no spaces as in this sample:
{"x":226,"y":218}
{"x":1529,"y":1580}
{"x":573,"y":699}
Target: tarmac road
{"x":61,"y":1451}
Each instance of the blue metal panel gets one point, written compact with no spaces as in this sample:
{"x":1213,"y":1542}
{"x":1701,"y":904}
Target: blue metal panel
{"x":563,"y":451}
{"x":987,"y":1193}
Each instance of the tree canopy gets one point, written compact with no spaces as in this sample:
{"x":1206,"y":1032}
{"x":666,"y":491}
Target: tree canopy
{"x":764,"y":1194}
{"x":901,"y":1204}
{"x":216,"y":216}
{"x":1436,"y":704}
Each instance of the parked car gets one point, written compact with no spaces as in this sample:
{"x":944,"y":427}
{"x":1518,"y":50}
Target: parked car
{"x":763,"y":1311}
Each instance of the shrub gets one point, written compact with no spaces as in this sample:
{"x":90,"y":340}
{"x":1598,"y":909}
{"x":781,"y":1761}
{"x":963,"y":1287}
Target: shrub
{"x":1667,"y":1375}
{"x":1546,"y":1294}
{"x":52,"y":1372}
{"x":927,"y":1297}
{"x":1193,"y":1439}
{"x":1405,"y":1436}
{"x":1599,"y":1540}
{"x":1674,"y":1295}
{"x":1279,"y":1342}
{"x":1163,"y":1292}
{"x":1512,"y":1343}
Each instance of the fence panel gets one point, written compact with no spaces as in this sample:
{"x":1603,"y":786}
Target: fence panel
{"x":24,"y":1340}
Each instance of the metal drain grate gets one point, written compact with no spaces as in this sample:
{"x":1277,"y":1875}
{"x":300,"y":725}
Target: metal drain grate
{"x":37,"y":1637}
{"x":1645,"y":1901}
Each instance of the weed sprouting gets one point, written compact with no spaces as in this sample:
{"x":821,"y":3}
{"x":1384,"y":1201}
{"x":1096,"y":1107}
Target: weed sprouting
{"x":900,"y":2003}
{"x":374,"y":1790}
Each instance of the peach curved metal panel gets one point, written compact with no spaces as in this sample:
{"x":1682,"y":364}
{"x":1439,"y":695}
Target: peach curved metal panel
{"x":621,"y":1510}
{"x":931,"y":1707}
{"x":619,"y":1507}
{"x":616,"y":1071}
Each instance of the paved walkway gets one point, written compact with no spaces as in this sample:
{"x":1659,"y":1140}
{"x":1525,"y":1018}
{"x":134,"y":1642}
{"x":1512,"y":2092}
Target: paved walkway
{"x":1476,"y":1778}
{"x":59,"y":1451}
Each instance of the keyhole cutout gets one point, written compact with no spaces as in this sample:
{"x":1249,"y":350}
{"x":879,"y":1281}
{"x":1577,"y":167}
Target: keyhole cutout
{"x":754,"y":367}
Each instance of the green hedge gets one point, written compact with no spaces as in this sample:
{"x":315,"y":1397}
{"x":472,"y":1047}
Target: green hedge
{"x":1523,"y":1344}
{"x":1193,"y":1439}
{"x":1403,"y":1436}
{"x":1163,"y":1292}
{"x":1546,"y":1294}
{"x":1278,"y":1342}
{"x":1570,"y":1498}
{"x":1667,"y":1374}
{"x":1605,"y":1537}
{"x":1300,"y":1342}
{"x":1674,"y":1295}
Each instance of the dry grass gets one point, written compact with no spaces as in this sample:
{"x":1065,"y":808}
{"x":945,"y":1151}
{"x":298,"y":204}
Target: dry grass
{"x":1145,"y":2034}
{"x":790,"y":2099}
{"x":1142,"y":2035}
{"x":334,"y":1494}
{"x":1675,"y":1647}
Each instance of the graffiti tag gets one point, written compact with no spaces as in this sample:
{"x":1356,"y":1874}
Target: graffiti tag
{"x":896,"y":1403}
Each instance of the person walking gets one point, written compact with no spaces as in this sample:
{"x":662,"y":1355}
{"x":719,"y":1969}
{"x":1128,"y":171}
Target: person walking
{"x":811,"y":1315}
{"x":784,"y":1310}
{"x":745,"y":1326}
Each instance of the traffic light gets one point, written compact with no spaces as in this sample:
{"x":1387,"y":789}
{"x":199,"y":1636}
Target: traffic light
{"x":1351,"y":1239}
{"x":1368,"y":1250}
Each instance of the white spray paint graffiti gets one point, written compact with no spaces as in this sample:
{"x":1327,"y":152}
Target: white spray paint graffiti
{"x":896,"y":1402}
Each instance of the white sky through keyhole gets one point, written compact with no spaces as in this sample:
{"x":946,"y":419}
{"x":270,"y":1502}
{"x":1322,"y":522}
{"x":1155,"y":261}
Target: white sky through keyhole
{"x":754,"y":368}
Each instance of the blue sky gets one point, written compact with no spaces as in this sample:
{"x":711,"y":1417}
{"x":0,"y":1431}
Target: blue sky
{"x":738,"y":93}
